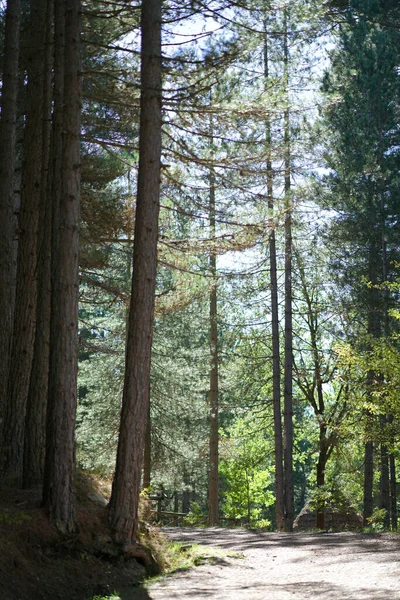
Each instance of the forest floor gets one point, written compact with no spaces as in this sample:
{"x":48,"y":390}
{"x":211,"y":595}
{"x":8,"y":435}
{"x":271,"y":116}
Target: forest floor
{"x":299,"y":566}
{"x":36,"y":563}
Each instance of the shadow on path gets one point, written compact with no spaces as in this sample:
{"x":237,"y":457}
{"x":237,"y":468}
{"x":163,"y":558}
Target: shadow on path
{"x":242,"y":540}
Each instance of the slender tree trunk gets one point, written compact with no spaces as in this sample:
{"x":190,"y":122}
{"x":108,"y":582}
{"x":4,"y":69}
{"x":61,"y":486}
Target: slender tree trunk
{"x":321,"y":466}
{"x":35,"y":426}
{"x":276,"y":371}
{"x":374,"y":326}
{"x":368,"y":481}
{"x":126,"y":486}
{"x":58,"y":492}
{"x":213,"y":484}
{"x":385,"y":476}
{"x":26,"y":286}
{"x":393,"y":492}
{"x":385,"y":482}
{"x":288,"y":371}
{"x":186,"y":493}
{"x":8,"y":118}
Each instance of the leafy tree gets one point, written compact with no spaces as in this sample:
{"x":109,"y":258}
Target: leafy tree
{"x":246,"y":472}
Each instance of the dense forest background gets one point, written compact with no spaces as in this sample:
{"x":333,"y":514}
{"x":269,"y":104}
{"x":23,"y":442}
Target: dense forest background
{"x":250,"y":151}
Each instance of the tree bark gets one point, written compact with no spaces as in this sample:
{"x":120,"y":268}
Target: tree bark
{"x":213,"y":482}
{"x":276,"y":371}
{"x":8,"y":118}
{"x":35,"y":425}
{"x":58,"y":492}
{"x":288,"y":368}
{"x":26,"y":285}
{"x":126,"y":486}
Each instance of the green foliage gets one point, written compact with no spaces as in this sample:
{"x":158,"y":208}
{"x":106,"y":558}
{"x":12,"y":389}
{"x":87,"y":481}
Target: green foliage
{"x":196,"y":517}
{"x":377,"y":520}
{"x":247,"y":473}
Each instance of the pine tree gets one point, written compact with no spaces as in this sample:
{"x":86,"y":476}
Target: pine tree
{"x":8,"y":120}
{"x":363,"y":86}
{"x":123,"y":512}
{"x":59,"y":479}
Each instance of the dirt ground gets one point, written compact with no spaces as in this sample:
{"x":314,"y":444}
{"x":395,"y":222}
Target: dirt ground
{"x":301,"y":566}
{"x":36,"y":563}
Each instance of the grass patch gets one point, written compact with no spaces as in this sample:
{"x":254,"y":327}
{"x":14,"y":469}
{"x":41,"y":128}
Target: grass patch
{"x":112,"y":597}
{"x":177,"y":557}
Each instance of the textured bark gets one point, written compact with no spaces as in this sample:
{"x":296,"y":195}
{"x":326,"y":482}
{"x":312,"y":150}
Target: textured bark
{"x":213,"y":483}
{"x":126,"y":485}
{"x":8,"y":119}
{"x":35,"y":425}
{"x":60,"y":447}
{"x":26,"y":285}
{"x":288,"y":365}
{"x":276,"y":370}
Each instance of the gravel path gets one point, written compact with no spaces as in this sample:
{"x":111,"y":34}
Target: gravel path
{"x":328,"y":566}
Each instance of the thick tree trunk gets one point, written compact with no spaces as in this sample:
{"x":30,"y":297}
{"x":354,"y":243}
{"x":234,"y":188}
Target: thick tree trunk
{"x":26,"y":287}
{"x":58,"y":493}
{"x":276,"y":370}
{"x":213,"y":483}
{"x":8,"y":118}
{"x":288,"y":369}
{"x":126,"y":486}
{"x":35,"y":426}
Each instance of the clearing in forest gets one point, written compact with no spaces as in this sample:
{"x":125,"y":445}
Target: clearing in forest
{"x":300,"y":566}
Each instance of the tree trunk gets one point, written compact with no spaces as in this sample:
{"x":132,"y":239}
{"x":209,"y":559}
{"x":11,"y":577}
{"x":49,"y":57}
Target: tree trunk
{"x":58,"y":493}
{"x":384,"y":485}
{"x":368,"y":481}
{"x":213,"y":483}
{"x":276,"y":371}
{"x":126,"y":486}
{"x":393,"y":492}
{"x":8,"y":118}
{"x":374,"y":330}
{"x":35,"y":425}
{"x":26,"y":286}
{"x":321,"y":466}
{"x":288,"y":370}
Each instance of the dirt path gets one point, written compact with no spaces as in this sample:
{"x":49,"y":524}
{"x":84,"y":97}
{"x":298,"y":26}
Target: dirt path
{"x":330,"y":566}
